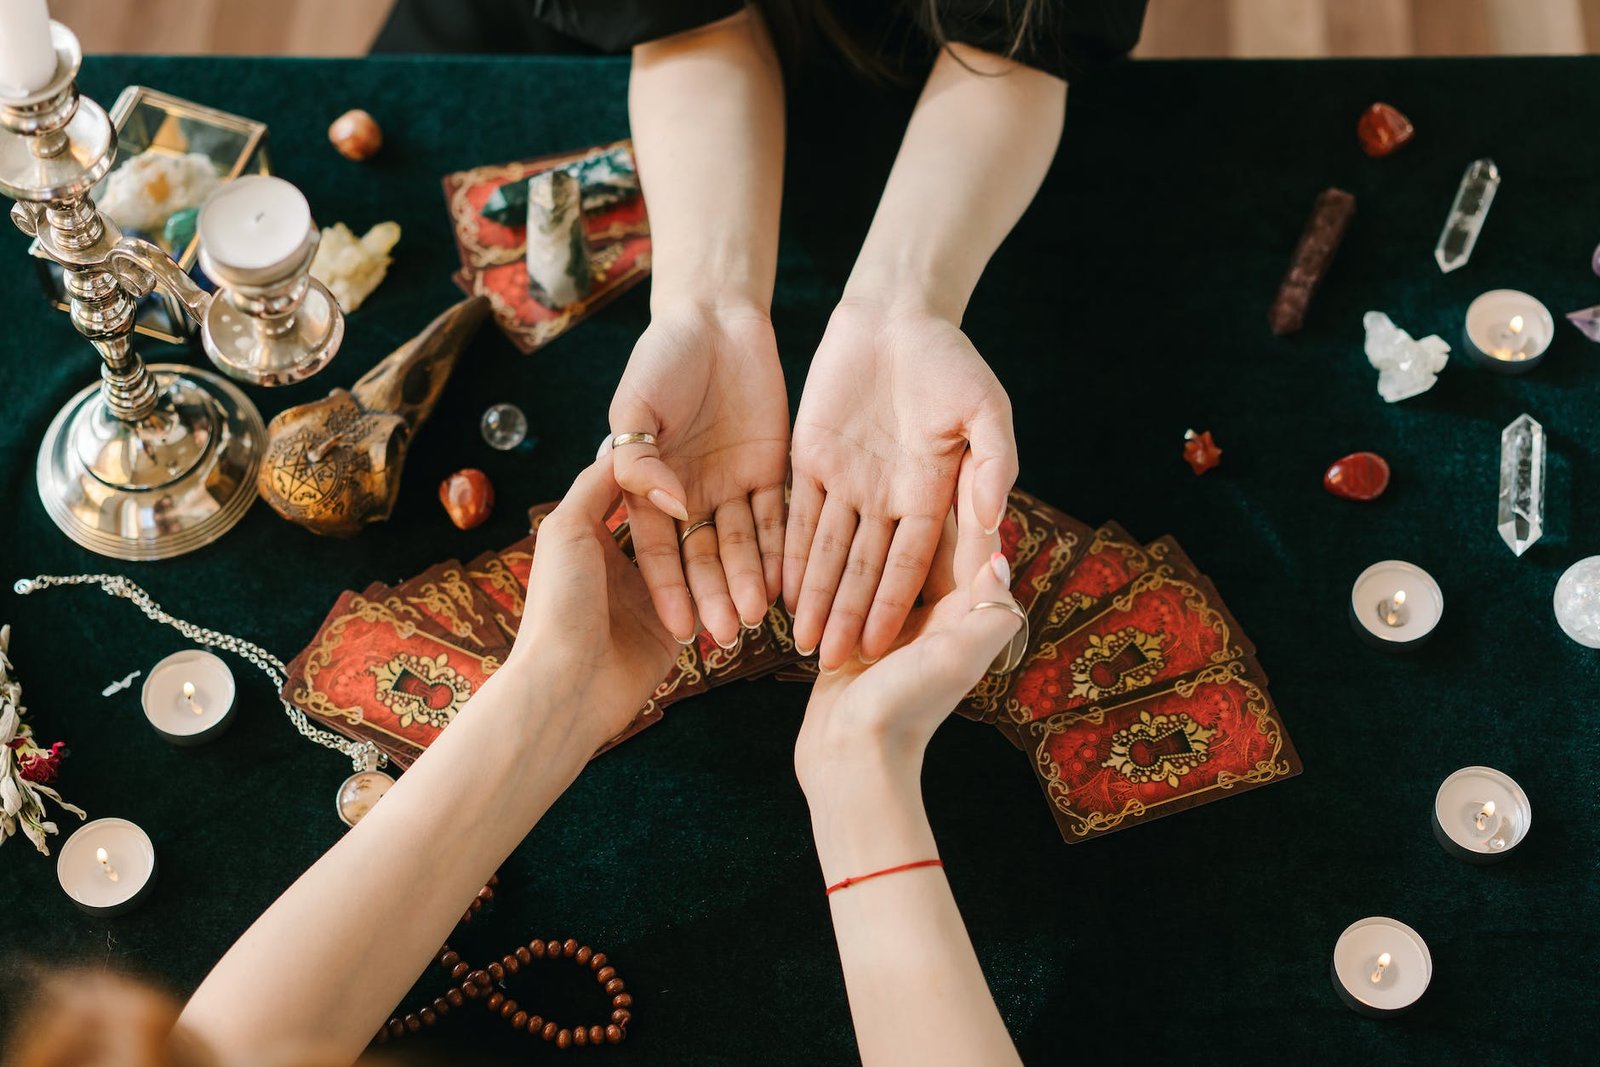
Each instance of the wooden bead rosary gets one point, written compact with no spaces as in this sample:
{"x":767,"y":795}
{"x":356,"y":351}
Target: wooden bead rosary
{"x":477,"y":984}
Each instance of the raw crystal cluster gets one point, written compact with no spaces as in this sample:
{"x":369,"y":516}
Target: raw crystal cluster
{"x":353,"y":267}
{"x":143,"y":192}
{"x":1405,"y":366}
{"x":1520,"y":516}
{"x":1578,"y":602}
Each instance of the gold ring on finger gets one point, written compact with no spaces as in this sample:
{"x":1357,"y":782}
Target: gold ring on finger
{"x":1010,"y":657}
{"x":633,"y":439}
{"x":692,"y":527}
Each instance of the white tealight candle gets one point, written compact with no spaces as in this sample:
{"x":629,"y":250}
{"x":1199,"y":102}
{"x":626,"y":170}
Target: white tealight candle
{"x":107,"y":866}
{"x":1507,"y":331}
{"x":253,"y":230}
{"x":1395,"y":605}
{"x":188,"y":697}
{"x":27,"y":56}
{"x":1481,"y":815}
{"x":1380,"y":966}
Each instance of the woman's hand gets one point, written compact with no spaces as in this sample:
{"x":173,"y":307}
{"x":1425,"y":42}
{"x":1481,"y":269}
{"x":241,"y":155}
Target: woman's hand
{"x":589,"y":635}
{"x":707,"y":384}
{"x":895,"y":397}
{"x":883,"y":715}
{"x":917,"y":993}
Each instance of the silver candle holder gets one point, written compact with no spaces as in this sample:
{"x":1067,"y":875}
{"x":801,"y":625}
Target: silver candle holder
{"x":155,"y":460}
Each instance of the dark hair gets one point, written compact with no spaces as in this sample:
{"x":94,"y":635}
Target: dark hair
{"x":795,"y":25}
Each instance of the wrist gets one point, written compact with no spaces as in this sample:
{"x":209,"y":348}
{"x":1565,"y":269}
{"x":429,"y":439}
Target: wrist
{"x":546,"y":707}
{"x":906,"y":284}
{"x":867,"y":815}
{"x":708,"y":293}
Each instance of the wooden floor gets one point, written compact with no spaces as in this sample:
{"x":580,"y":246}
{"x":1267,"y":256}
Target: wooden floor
{"x":1172,"y":28}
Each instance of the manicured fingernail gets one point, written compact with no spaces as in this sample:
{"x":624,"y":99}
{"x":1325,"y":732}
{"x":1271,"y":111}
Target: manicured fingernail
{"x":684,"y":641}
{"x":805,"y":651}
{"x":1001,"y":568}
{"x":730,"y":646}
{"x":826,"y":671}
{"x":668,"y":503}
{"x":865,"y":662}
{"x":605,"y":446}
{"x":752,"y":626}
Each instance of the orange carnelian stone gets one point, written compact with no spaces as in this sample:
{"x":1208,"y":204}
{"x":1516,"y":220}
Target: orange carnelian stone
{"x":1382,"y":129}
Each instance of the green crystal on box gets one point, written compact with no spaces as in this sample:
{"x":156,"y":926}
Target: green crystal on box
{"x":507,"y":205}
{"x":179,"y":230}
{"x":605,"y":178}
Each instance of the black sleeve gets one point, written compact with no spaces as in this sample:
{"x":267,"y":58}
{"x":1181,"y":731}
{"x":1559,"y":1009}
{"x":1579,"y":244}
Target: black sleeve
{"x":1067,"y":38}
{"x":617,"y":25}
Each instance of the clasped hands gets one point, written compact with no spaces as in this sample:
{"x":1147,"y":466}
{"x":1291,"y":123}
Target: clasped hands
{"x":896,"y":405}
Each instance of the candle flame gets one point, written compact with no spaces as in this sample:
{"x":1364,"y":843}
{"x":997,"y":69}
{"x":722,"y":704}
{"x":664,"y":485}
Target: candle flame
{"x":188,"y":690}
{"x":1383,"y":965}
{"x":1516,"y":324}
{"x":105,"y":863}
{"x":1399,"y":598}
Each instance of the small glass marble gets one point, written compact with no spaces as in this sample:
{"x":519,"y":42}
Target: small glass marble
{"x":504,"y":426}
{"x":1577,"y":602}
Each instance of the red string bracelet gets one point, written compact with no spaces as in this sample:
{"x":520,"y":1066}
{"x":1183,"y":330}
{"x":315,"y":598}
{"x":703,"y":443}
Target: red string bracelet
{"x":848,"y":882}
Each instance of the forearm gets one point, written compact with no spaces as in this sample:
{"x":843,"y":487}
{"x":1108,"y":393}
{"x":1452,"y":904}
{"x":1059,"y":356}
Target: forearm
{"x":973,"y":156}
{"x":706,"y":108}
{"x":316,"y":975}
{"x":917,"y":993}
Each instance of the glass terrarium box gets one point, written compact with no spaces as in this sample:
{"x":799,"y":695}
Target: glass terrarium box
{"x":171,"y":154}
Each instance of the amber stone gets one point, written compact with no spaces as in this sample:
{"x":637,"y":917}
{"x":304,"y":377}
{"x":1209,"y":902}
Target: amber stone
{"x":356,"y":135}
{"x":1358,"y":476}
{"x":1382,"y":130}
{"x":1200,"y":451}
{"x":468,"y":497}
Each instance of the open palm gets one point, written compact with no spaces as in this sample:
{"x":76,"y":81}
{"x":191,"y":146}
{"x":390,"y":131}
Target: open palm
{"x":710,"y":388}
{"x":892,"y":403}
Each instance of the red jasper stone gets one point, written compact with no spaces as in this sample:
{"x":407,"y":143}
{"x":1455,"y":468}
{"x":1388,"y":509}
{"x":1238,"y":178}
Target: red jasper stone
{"x":468,"y":497}
{"x":1200,"y":451}
{"x":1382,"y":130}
{"x":1358,"y":476}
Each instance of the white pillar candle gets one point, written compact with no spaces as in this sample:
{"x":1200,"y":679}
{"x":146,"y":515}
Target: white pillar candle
{"x":253,"y":224}
{"x":1380,"y":966}
{"x":1508,"y":331}
{"x":107,"y":866}
{"x":188,"y":697}
{"x":27,"y":58}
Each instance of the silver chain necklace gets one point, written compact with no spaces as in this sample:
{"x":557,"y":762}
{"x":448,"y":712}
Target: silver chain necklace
{"x":355,"y":793}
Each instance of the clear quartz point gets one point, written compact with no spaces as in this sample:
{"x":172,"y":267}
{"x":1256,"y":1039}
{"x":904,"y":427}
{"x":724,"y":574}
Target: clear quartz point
{"x":1471,"y":207}
{"x":1521,"y":513}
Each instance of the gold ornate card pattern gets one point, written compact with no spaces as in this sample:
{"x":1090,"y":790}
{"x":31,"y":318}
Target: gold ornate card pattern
{"x":1273,"y":766}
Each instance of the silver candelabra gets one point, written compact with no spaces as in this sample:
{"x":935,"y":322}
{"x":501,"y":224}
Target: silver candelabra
{"x":156,"y":460}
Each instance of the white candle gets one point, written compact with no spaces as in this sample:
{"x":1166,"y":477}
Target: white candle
{"x":1380,"y":966}
{"x":27,"y":58}
{"x":188,"y":697}
{"x":1480,"y":814}
{"x":253,"y":223}
{"x":106,"y":866}
{"x":1395,"y":605}
{"x":1508,"y":330}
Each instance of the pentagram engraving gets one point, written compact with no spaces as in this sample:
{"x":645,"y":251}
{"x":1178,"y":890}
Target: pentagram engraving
{"x":313,"y":467}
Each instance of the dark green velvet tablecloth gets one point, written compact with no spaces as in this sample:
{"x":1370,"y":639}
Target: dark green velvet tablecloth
{"x":1128,"y":306}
